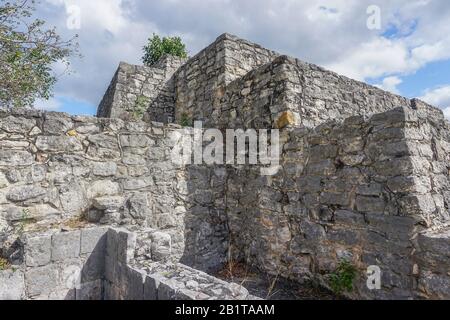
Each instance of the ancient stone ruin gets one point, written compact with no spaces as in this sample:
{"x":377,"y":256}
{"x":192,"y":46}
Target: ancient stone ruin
{"x":96,"y":208}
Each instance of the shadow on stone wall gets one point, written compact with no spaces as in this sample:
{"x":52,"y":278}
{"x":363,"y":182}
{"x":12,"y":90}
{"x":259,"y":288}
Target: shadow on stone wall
{"x":206,"y":234}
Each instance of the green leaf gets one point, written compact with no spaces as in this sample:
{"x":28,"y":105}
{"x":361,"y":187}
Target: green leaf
{"x":158,"y":47}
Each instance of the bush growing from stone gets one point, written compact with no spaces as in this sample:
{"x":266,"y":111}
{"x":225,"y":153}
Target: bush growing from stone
{"x":157,"y":47}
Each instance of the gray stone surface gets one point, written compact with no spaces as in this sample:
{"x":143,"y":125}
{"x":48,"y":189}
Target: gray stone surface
{"x":38,"y":250}
{"x":42,"y":280}
{"x":93,"y":239}
{"x":66,"y":245}
{"x":12,"y":285}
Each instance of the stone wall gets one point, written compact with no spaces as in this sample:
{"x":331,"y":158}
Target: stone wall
{"x":129,"y":278}
{"x":191,"y":86}
{"x":363,"y":189}
{"x":360,"y":190}
{"x":364,"y":177}
{"x":58,"y":266}
{"x":57,"y":169}
{"x":201,"y":82}
{"x":138,"y":92}
{"x":289,"y":91}
{"x":101,"y":263}
{"x":234,"y":82}
{"x":433,"y":258}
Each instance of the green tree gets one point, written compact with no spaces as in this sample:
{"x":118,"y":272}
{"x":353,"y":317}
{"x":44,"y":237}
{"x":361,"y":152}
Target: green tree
{"x":28,"y":50}
{"x":157,"y":47}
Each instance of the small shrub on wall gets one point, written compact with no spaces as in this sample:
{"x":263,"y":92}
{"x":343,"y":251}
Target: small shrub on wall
{"x":157,"y":47}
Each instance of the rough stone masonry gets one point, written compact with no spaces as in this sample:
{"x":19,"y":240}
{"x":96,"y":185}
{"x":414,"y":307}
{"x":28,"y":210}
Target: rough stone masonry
{"x":96,"y":208}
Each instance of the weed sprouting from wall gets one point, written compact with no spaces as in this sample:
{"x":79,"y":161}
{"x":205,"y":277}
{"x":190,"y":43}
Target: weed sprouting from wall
{"x":139,"y":108}
{"x":4,"y":264}
{"x":185,"y":120}
{"x":341,"y":280}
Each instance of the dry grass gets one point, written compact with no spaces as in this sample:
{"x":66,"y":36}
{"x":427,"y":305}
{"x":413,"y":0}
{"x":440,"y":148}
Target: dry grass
{"x":4,"y":264}
{"x":235,"y":270}
{"x":75,"y":223}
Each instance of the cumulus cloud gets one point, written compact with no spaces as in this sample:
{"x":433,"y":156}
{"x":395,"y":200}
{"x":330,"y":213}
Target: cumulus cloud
{"x":51,"y":104}
{"x":447,"y":113}
{"x":390,"y":84}
{"x":439,"y":96}
{"x":332,"y":33}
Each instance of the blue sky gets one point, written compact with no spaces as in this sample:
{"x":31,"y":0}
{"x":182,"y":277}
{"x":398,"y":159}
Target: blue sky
{"x":408,"y":54}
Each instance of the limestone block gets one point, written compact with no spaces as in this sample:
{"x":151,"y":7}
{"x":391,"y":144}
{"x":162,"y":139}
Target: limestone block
{"x":88,"y":129}
{"x":66,"y":245}
{"x":133,"y":159}
{"x":16,"y":124}
{"x":90,"y":291}
{"x":35,"y":131}
{"x":312,"y":231}
{"x":370,"y":204}
{"x":3,"y":181}
{"x":22,"y":193}
{"x":37,"y":212}
{"x":151,"y":285}
{"x":38,"y":250}
{"x":323,"y":168}
{"x":136,"y":141}
{"x":126,"y":246}
{"x":103,"y":188}
{"x":58,"y":144}
{"x":349,"y":218}
{"x":93,"y":267}
{"x":168,"y":289}
{"x":13,"y":158}
{"x":72,"y":197}
{"x":166,"y":221}
{"x":42,"y":280}
{"x":12,"y":285}
{"x":344,"y":236}
{"x":58,"y":295}
{"x":437,"y":243}
{"x":137,"y":183}
{"x":138,"y":206}
{"x":13,"y":144}
{"x":435,"y":286}
{"x":187,"y":294}
{"x":161,"y":245}
{"x":113,"y":203}
{"x":57,"y":124}
{"x":105,"y":169}
{"x":104,"y":141}
{"x":93,"y":239}
{"x":133,"y":286}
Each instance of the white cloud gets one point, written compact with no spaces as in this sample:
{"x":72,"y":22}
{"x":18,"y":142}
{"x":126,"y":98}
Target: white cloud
{"x":447,"y":113}
{"x":439,"y":97}
{"x":390,"y":84}
{"x":51,"y":104}
{"x":374,"y":59}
